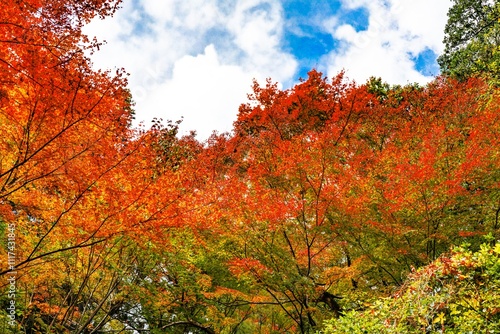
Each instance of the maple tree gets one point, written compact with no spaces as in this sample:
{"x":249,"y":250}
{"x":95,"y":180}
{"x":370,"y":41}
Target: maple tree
{"x":74,"y":179}
{"x":57,"y":115}
{"x":347,"y":194}
{"x":325,"y":195}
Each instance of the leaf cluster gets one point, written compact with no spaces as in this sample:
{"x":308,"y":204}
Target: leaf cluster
{"x":457,"y":293}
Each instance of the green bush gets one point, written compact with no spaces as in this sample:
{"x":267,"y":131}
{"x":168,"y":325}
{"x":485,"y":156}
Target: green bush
{"x":457,"y":293}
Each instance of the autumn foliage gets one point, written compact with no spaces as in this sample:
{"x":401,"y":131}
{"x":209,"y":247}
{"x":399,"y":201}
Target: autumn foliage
{"x":324,"y":196}
{"x":451,"y":295}
{"x":337,"y":189}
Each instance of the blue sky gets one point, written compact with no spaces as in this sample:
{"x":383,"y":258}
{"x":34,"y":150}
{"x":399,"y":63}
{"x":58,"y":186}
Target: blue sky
{"x":196,"y":58}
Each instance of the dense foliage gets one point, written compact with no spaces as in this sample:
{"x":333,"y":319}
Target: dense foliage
{"x":324,"y":200}
{"x":458,"y":293}
{"x":472,"y":39}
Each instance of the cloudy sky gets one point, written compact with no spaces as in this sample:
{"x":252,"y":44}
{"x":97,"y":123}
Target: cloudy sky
{"x":196,"y":58}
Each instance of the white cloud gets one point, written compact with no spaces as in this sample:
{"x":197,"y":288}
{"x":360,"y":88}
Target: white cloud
{"x":397,"y":31}
{"x":257,"y":29}
{"x":177,"y":70}
{"x":184,"y":15}
{"x":197,"y":58}
{"x":203,"y":91}
{"x":424,"y":19}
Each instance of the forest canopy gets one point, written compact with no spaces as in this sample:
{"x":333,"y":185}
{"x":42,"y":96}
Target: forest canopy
{"x":331,"y":207}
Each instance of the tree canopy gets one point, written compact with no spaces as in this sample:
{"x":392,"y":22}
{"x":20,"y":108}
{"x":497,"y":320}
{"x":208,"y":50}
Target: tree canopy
{"x":332,"y":206}
{"x":472,"y":39}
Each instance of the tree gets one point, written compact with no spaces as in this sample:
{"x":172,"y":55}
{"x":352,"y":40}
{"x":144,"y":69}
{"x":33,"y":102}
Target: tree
{"x":57,"y":116}
{"x":74,"y":178}
{"x":325,"y":194}
{"x":315,"y":209}
{"x":472,"y":39}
